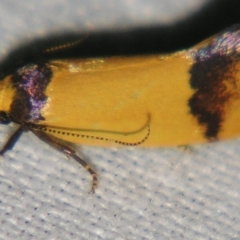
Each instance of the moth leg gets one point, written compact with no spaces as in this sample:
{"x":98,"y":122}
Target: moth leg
{"x":69,"y":152}
{"x":12,"y":140}
{"x":186,"y":148}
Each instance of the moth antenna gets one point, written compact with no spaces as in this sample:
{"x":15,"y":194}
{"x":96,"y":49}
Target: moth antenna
{"x":65,"y":46}
{"x":69,"y":131}
{"x":47,"y":130}
{"x":72,"y":134}
{"x":134,"y":143}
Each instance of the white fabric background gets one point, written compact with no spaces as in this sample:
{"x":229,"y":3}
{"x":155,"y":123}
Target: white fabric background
{"x":143,"y":193}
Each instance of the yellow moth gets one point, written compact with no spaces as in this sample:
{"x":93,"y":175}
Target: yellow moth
{"x":186,"y":97}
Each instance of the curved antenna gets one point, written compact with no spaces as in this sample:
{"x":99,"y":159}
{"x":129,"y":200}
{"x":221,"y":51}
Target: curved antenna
{"x":46,"y":128}
{"x":133,"y":143}
{"x":56,"y":130}
{"x":101,"y":138}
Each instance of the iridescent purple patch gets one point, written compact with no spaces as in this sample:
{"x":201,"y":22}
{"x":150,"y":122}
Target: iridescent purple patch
{"x":227,"y":43}
{"x":30,"y":82}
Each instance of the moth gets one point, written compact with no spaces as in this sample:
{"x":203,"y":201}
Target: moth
{"x":190,"y":96}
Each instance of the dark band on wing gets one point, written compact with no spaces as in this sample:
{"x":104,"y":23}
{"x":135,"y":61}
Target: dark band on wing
{"x":213,"y":77}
